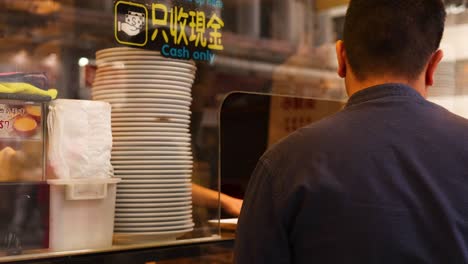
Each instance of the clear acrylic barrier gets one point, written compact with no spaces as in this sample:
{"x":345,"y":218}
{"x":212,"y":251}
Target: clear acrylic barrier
{"x":250,"y":123}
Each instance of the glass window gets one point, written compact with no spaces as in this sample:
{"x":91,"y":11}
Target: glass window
{"x":281,"y":47}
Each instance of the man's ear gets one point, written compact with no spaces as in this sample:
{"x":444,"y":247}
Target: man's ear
{"x":432,"y":67}
{"x":341,"y":57}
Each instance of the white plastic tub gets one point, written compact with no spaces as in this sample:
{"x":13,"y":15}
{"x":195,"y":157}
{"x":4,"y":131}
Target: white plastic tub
{"x":82,"y":213}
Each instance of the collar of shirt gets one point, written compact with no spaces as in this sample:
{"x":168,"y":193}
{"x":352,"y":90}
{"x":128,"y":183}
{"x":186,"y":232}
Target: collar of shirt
{"x":383,"y":91}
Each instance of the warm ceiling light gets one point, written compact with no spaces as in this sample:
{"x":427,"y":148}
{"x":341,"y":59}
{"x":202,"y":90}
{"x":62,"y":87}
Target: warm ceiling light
{"x":20,"y":58}
{"x":83,"y":61}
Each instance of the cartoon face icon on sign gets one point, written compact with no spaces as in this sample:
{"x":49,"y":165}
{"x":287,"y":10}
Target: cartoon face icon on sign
{"x":134,"y":23}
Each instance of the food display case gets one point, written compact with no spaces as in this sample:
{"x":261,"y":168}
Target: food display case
{"x":191,"y":94}
{"x":23,"y":192}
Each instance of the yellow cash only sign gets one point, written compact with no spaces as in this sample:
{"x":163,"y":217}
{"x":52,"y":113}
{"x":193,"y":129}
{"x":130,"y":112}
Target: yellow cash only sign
{"x":180,"y":29}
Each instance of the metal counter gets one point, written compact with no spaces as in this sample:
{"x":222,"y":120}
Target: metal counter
{"x":200,"y":250}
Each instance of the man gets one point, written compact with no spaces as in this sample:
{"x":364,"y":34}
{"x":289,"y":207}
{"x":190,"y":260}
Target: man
{"x":383,"y":181}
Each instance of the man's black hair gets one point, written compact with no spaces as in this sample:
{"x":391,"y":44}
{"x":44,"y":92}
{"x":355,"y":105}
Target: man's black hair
{"x":395,"y":37}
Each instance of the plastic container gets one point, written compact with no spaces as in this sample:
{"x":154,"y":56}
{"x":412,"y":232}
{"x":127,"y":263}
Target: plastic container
{"x":82,"y":213}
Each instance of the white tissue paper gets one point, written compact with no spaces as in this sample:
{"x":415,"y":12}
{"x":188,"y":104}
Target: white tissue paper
{"x":80,"y":139}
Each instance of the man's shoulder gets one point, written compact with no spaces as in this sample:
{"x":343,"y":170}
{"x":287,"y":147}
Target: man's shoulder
{"x":444,"y":118}
{"x":316,"y":137}
{"x":361,"y":126}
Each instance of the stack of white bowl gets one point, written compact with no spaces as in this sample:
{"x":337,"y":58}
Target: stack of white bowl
{"x":150,"y":97}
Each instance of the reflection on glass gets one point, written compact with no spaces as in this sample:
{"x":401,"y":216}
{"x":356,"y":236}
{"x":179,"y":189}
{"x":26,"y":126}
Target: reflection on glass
{"x":250,"y":123}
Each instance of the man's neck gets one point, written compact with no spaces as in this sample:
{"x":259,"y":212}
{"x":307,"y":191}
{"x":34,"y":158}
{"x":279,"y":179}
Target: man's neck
{"x":353,"y":85}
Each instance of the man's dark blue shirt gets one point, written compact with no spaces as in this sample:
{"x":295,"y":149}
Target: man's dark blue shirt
{"x":383,"y":181}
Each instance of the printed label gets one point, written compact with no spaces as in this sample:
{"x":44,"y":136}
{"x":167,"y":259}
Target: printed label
{"x":20,"y":121}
